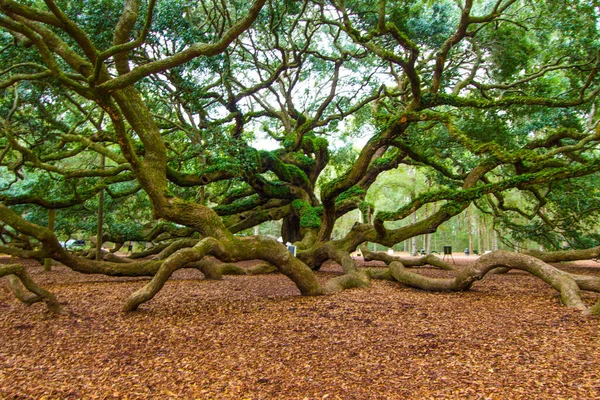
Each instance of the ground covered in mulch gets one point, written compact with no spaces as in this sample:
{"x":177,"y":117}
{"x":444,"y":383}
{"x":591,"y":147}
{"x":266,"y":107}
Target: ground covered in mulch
{"x":254,"y":337}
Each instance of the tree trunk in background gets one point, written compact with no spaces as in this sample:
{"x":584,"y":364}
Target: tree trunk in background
{"x":413,"y":240}
{"x":479,"y":237}
{"x":100,"y":217}
{"x":470,"y":228}
{"x":290,"y":229}
{"x":486,"y":234}
{"x":370,"y":217}
{"x":51,"y":221}
{"x":413,"y":182}
{"x":432,"y":236}
{"x":427,"y":236}
{"x":495,"y":240}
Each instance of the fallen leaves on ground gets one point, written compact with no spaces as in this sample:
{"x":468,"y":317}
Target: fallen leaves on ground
{"x":254,"y":337}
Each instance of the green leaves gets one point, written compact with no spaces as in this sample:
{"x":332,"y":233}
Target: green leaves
{"x":494,"y":99}
{"x":511,"y":51}
{"x":428,"y":24}
{"x":310,"y":217}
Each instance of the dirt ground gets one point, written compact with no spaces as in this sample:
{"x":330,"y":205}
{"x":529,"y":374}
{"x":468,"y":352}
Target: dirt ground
{"x":254,"y":337}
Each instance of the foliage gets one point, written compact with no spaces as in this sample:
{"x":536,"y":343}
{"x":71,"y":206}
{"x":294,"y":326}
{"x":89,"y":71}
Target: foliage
{"x":486,"y":102}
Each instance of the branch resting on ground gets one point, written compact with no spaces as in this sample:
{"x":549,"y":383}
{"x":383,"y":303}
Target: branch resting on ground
{"x":568,"y":285}
{"x":429,"y":259}
{"x":17,"y":275}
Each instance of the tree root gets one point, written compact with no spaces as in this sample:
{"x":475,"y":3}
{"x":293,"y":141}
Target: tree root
{"x":15,"y":286}
{"x":341,"y":257}
{"x":213,"y":269}
{"x":380,"y":273}
{"x":462,"y":281}
{"x":174,"y":262}
{"x":586,"y":282}
{"x":352,"y":277}
{"x":348,"y":281}
{"x":226,"y":248}
{"x":566,"y":284}
{"x":17,"y":275}
{"x":429,"y":259}
{"x":247,"y":248}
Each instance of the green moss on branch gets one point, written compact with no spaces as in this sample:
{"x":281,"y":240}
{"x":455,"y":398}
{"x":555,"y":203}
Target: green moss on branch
{"x":310,"y":217}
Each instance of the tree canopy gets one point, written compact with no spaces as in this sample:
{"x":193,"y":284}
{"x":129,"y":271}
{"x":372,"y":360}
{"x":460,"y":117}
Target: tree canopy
{"x":203,"y":119}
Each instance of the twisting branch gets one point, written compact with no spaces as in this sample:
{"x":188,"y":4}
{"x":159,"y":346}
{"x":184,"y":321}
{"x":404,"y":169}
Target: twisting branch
{"x":566,"y":284}
{"x":196,"y":50}
{"x":16,"y":275}
{"x":429,"y":259}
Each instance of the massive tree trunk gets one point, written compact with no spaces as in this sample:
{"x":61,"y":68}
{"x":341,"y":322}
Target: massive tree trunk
{"x":290,"y":230}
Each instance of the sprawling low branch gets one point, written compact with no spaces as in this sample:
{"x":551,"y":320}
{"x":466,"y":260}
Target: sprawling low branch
{"x":567,"y":285}
{"x":566,"y":255}
{"x":17,"y":275}
{"x":429,"y":259}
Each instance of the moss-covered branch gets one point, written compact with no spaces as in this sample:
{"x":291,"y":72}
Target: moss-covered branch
{"x":17,"y":274}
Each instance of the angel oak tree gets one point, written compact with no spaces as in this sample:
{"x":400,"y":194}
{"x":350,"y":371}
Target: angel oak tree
{"x":491,"y":100}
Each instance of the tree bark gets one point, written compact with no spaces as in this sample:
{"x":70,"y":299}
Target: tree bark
{"x":428,"y":259}
{"x":51,"y":221}
{"x":99,"y":238}
{"x":567,"y":285}
{"x":566,"y":255}
{"x":290,"y":230}
{"x":470,"y":228}
{"x":17,"y":273}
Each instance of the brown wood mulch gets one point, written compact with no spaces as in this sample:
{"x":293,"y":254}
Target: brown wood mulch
{"x":254,"y":337}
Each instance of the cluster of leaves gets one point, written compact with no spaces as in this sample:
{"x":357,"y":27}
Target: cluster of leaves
{"x":423,"y":89}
